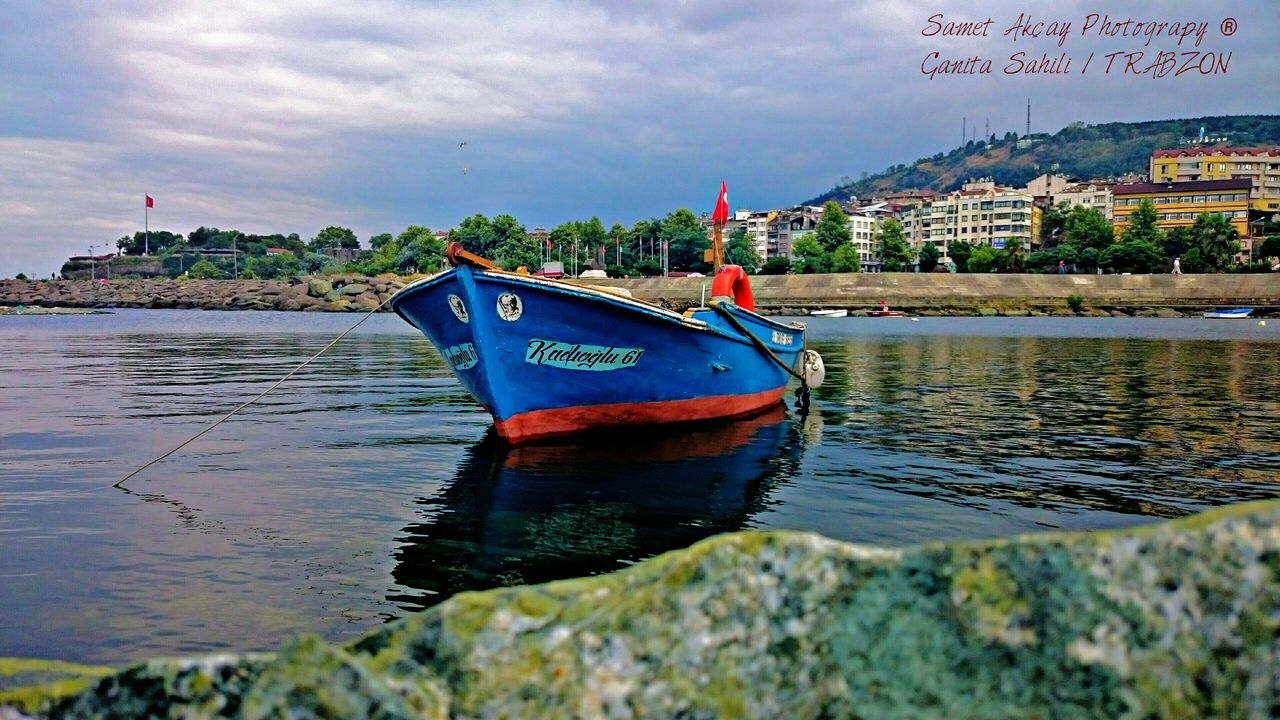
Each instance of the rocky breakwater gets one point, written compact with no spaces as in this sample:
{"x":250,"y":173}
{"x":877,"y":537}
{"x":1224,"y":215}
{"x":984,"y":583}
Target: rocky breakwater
{"x":334,"y":294}
{"x":1175,"y":620}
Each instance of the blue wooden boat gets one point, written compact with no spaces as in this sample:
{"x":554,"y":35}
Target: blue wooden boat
{"x":549,"y":358}
{"x":1229,"y":314}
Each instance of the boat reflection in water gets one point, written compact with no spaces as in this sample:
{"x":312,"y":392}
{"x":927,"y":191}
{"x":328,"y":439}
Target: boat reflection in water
{"x":538,"y":513}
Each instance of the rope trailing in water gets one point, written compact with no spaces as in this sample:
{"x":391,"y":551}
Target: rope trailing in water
{"x":802,"y":392}
{"x":256,"y":398}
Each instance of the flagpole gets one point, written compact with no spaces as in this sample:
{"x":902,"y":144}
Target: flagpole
{"x":146,"y":228}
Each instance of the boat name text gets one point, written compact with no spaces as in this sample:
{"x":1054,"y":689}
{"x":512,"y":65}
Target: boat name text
{"x":461,"y":357}
{"x":782,"y":338}
{"x":576,"y":356}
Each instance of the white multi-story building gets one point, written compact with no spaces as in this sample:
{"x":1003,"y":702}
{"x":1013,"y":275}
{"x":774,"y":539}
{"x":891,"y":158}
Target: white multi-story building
{"x":1094,"y":195}
{"x":980,"y":213}
{"x":862,"y":228}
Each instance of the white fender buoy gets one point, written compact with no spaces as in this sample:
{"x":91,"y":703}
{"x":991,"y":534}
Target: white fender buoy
{"x":812,"y":368}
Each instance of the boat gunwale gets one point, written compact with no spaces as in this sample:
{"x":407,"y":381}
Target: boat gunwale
{"x":592,"y":293}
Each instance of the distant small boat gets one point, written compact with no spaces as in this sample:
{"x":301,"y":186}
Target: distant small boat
{"x":884,"y":311}
{"x":1232,"y":314}
{"x":829,"y":313}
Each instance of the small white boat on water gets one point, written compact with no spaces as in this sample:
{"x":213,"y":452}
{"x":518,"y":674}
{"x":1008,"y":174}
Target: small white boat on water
{"x":1229,"y":314}
{"x":829,"y":313}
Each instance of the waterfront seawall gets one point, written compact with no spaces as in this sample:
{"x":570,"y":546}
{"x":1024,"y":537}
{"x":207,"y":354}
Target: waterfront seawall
{"x":932,"y":293}
{"x":964,"y":293}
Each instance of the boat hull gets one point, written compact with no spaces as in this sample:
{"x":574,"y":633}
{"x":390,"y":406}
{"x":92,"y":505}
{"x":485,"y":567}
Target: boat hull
{"x":1234,"y":314}
{"x":549,"y":359}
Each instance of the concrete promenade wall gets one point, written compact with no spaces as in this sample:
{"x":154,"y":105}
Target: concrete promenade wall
{"x":934,"y":292}
{"x":945,"y":290}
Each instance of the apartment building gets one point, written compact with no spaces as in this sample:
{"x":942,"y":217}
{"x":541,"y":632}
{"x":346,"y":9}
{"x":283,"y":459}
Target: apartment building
{"x":1096,"y":195}
{"x":862,"y":229}
{"x":979,"y":213}
{"x":1259,"y":165}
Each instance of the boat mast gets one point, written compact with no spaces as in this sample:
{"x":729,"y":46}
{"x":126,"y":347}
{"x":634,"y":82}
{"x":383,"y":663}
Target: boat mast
{"x":717,"y":247}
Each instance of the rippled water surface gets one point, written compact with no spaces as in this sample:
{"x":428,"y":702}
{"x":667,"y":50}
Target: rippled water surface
{"x":367,"y":488}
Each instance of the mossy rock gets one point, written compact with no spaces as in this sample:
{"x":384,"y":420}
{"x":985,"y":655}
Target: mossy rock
{"x":1174,"y":620}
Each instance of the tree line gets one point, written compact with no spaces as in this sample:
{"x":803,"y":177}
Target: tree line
{"x":1077,"y":239}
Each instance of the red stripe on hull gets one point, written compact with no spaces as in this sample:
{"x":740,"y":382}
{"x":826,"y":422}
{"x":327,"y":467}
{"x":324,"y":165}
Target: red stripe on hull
{"x":540,"y":424}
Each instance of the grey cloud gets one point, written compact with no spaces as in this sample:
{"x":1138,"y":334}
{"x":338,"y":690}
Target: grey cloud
{"x":352,"y":114}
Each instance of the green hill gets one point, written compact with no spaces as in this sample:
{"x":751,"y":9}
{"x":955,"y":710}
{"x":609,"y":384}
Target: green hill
{"x":1083,"y":151}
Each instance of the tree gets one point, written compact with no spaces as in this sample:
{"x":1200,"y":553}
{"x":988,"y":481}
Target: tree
{"x":833,"y":229}
{"x":1270,"y":248}
{"x":476,"y":235}
{"x":892,"y":246}
{"x":1014,"y":255}
{"x":776,"y":265}
{"x":845,"y":260}
{"x":1143,"y":226}
{"x":649,"y":267}
{"x":1053,"y":223}
{"x":982,"y":259}
{"x":1177,"y":242}
{"x":513,"y":247}
{"x":742,"y":251}
{"x":686,"y":240}
{"x":160,"y":242}
{"x":418,"y":249}
{"x":960,"y":251}
{"x":205,"y":270}
{"x":1216,"y":238}
{"x":266,"y":267}
{"x":377,"y":241}
{"x":314,"y":262}
{"x":1087,"y":228}
{"x":1136,"y":256}
{"x":334,"y":237}
{"x":929,"y":256}
{"x":808,"y":256}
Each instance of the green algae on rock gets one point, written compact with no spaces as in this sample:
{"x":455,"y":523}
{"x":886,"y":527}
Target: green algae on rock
{"x":1175,"y":620}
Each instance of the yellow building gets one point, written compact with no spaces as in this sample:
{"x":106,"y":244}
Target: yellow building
{"x":1178,"y":204}
{"x":1260,"y":165}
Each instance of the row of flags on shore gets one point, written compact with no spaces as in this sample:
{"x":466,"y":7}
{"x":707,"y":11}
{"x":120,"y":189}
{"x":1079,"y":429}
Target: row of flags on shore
{"x":719,"y":216}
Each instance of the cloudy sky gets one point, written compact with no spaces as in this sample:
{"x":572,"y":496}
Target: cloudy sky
{"x":290,"y":116}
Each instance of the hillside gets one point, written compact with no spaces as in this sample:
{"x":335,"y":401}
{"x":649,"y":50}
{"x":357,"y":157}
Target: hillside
{"x":1083,"y":151}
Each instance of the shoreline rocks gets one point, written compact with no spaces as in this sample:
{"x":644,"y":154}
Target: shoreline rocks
{"x":338,"y":294}
{"x":1176,"y":619}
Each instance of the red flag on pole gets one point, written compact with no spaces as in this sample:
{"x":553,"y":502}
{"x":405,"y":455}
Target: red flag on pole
{"x":548,"y":244}
{"x":721,"y":214}
{"x":151,"y":202}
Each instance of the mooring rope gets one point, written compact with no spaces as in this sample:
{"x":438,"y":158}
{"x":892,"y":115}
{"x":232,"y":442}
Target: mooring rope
{"x":802,"y":392}
{"x":257,"y":397}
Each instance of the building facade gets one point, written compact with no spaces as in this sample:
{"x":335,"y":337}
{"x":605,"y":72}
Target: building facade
{"x":862,"y":229}
{"x":1178,"y":204}
{"x":980,"y":213}
{"x":1091,"y":195}
{"x":1259,"y":165}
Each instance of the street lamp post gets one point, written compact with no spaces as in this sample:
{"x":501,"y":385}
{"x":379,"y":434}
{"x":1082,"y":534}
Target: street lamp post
{"x":93,"y":273}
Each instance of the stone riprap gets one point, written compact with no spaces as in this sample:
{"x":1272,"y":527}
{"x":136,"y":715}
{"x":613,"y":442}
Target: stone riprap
{"x":1175,"y":620}
{"x":338,"y":294}
{"x":918,"y":293}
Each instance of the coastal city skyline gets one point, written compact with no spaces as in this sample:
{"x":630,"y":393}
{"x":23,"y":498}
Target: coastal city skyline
{"x":295,"y":118}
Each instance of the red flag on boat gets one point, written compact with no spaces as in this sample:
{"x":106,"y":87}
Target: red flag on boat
{"x":151,"y":202}
{"x":721,"y":214}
